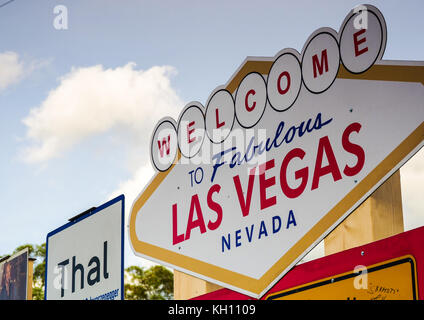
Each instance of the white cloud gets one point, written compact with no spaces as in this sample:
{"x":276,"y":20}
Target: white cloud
{"x":131,"y":188}
{"x":14,"y":69}
{"x":93,"y":100}
{"x":11,"y":69}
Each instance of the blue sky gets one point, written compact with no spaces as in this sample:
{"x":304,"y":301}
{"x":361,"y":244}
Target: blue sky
{"x":55,"y":165}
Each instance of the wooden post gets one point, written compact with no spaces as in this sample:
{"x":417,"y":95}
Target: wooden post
{"x":379,"y":217}
{"x":186,"y":286}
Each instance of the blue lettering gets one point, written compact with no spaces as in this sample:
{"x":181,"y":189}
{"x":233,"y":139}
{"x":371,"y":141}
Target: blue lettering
{"x":238,"y":237}
{"x":233,"y":162}
{"x":318,"y":125}
{"x":249,"y":235}
{"x":291,"y":219}
{"x":249,"y":148}
{"x":262,"y":230}
{"x":217,"y":163}
{"x":269,"y":144}
{"x":259,"y":148}
{"x":227,"y":243}
{"x":289,"y":138}
{"x":274,"y":228}
{"x":278,"y":133}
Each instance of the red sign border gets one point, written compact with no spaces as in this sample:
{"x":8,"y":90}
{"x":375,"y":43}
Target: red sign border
{"x":403,"y":244}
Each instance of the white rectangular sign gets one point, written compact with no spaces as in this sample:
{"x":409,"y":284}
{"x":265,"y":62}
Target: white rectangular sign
{"x":85,"y":257}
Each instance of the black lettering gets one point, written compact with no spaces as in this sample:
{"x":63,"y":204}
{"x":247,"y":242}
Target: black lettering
{"x":75,"y":268}
{"x":62,"y":270}
{"x":94,"y":270}
{"x":105,"y":273}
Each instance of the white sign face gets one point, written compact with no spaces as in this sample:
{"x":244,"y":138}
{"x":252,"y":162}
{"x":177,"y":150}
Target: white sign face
{"x":85,"y":258}
{"x":315,"y":134}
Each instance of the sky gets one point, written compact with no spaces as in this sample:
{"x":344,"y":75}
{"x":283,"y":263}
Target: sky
{"x":78,"y":105}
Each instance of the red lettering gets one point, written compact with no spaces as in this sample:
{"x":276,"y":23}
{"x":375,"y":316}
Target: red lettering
{"x":164,"y":143}
{"x":246,"y":102}
{"x":199,"y":222}
{"x":354,"y":149}
{"x":218,"y":124}
{"x":176,"y":238}
{"x":195,"y":216}
{"x":287,"y":75}
{"x":215,"y":207}
{"x":324,"y":146}
{"x":245,"y":203}
{"x":357,"y":42}
{"x":266,"y":183}
{"x":189,"y":132}
{"x":299,"y":174}
{"x":322,"y":65}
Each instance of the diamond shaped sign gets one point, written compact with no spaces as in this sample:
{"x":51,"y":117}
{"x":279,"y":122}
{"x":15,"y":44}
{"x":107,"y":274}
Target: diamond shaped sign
{"x":249,"y":183}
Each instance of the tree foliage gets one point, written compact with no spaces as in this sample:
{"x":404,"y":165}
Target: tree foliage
{"x":155,"y":283}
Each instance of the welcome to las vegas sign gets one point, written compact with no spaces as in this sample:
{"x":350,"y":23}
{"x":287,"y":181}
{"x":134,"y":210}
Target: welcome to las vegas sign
{"x":280,"y":155}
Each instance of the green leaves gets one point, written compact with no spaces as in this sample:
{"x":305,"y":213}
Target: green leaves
{"x":155,"y":283}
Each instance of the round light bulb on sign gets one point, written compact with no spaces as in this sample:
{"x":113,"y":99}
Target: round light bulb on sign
{"x":164,"y":144}
{"x":191,"y":129}
{"x":320,"y":60}
{"x":219,"y":116}
{"x":362,"y":39}
{"x":250,"y":100}
{"x":284,"y":80}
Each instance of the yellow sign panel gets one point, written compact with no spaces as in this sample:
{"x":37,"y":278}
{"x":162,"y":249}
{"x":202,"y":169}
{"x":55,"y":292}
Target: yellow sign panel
{"x":389,"y":280}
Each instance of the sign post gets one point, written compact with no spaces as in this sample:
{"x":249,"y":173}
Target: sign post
{"x":379,"y":217}
{"x":279,"y":157}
